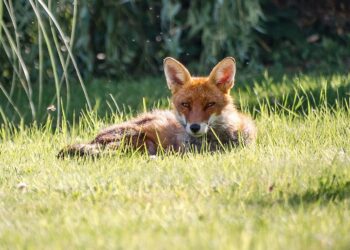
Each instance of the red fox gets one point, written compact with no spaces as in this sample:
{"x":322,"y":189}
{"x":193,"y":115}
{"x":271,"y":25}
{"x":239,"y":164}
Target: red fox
{"x":203,"y":115}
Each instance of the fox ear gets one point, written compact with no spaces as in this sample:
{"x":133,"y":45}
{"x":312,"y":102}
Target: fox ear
{"x":175,"y":73}
{"x":223,"y":74}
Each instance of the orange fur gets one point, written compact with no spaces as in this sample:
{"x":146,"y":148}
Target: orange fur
{"x":203,"y":113}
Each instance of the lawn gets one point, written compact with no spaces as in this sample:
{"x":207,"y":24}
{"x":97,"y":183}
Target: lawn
{"x":289,"y":191}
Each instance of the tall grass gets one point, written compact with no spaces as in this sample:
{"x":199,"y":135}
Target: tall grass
{"x":50,"y":41}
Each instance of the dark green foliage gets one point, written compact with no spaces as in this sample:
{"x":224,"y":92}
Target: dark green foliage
{"x":134,"y":37}
{"x":119,"y":38}
{"x":306,"y":34}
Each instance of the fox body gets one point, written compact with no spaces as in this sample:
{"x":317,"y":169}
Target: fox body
{"x":203,"y":115}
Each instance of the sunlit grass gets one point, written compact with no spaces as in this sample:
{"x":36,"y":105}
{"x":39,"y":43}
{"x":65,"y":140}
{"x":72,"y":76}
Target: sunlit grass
{"x":289,"y":191}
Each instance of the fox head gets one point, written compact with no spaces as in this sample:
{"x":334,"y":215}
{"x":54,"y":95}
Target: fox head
{"x":200,"y":101}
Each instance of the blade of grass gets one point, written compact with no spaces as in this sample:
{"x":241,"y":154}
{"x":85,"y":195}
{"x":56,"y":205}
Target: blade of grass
{"x":27,"y":86}
{"x":9,"y":98}
{"x":10,"y":9}
{"x":52,"y":60}
{"x":1,"y":18}
{"x":4,"y":124}
{"x":71,"y":41}
{"x":41,"y":64}
{"x":69,"y":52}
{"x":218,"y":139}
{"x":60,"y":56}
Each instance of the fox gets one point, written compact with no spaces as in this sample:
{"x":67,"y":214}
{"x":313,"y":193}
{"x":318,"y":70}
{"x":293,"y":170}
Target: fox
{"x":203,"y":116}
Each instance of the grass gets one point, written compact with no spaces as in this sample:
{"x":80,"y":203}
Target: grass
{"x":289,"y":191}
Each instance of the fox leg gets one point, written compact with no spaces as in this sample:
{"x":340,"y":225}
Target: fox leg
{"x":130,"y":140}
{"x":112,"y":139}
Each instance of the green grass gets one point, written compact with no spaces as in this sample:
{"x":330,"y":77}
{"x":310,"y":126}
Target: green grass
{"x":289,"y":191}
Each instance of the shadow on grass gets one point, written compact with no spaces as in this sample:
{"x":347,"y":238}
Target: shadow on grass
{"x":298,"y":93}
{"x":329,"y":189}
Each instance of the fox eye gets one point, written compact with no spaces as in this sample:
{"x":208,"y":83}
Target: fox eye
{"x":210,"y":104}
{"x":185,"y":104}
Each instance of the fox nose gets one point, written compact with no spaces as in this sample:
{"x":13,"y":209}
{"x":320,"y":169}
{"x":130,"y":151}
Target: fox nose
{"x":195,"y":127}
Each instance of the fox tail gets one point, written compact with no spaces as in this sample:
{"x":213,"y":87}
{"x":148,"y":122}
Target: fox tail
{"x":84,"y":149}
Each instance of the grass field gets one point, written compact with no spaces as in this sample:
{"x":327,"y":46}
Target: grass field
{"x":289,"y":191}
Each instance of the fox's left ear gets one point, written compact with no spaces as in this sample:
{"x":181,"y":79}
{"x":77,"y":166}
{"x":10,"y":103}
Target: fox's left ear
{"x":223,"y":74}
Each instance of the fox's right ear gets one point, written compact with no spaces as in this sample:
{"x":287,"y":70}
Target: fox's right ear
{"x":175,"y":73}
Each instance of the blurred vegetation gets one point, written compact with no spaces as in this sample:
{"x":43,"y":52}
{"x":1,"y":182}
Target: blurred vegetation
{"x":46,"y":46}
{"x":115,"y":38}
